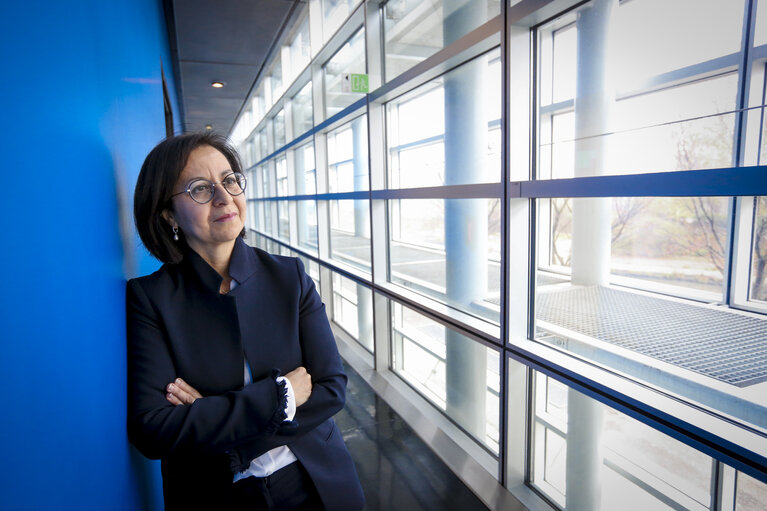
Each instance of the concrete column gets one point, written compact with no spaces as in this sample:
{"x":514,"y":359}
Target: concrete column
{"x":465,"y":220}
{"x":584,"y":452}
{"x":361,"y":177}
{"x":594,"y":98}
{"x":365,"y":316}
{"x":362,"y":226}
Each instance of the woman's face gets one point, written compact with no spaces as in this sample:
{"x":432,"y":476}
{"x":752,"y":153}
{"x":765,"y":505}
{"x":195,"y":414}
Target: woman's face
{"x":216,"y":224}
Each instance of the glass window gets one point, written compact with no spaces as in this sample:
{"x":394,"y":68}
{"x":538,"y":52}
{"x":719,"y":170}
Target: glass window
{"x":265,"y":189}
{"x":241,"y":130}
{"x":447,"y":131}
{"x":558,"y":46}
{"x":674,"y":245}
{"x":302,"y":111}
{"x":691,"y":41}
{"x":349,"y":59}
{"x":306,"y":185}
{"x":443,"y":247}
{"x":300,"y":49}
{"x":457,"y":374}
{"x":607,"y":118}
{"x":306,"y":175}
{"x":256,"y":215}
{"x":257,"y":106}
{"x":256,"y":187}
{"x":261,"y":145}
{"x":283,"y":209}
{"x":414,"y":31}
{"x":275,"y":79}
{"x":348,"y":157}
{"x":251,"y":192}
{"x":258,"y":240}
{"x":282,"y":176}
{"x":279,"y":129}
{"x":247,"y":153}
{"x":353,"y":310}
{"x":307,"y":225}
{"x":334,"y":13}
{"x":350,"y":232}
{"x":268,"y":192}
{"x":267,"y":227}
{"x":283,"y":223}
{"x":610,"y":458}
{"x":760,"y":35}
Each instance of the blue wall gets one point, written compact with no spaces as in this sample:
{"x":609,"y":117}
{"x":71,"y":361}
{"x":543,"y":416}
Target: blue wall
{"x":82,"y":106}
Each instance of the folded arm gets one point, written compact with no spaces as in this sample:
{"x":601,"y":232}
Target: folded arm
{"x":211,"y":424}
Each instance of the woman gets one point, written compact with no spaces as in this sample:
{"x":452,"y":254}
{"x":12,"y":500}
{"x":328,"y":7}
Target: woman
{"x":233,"y":372}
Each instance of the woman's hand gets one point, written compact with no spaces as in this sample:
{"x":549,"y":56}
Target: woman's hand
{"x":181,"y":393}
{"x":301,"y":381}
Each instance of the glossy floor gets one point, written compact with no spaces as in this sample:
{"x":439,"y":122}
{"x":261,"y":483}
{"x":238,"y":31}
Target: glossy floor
{"x":397,"y":470}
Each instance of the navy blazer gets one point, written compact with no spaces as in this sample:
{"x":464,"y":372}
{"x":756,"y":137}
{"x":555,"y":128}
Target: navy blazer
{"x":179,"y":325}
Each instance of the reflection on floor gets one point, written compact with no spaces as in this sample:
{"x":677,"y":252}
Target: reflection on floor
{"x":398,"y":471}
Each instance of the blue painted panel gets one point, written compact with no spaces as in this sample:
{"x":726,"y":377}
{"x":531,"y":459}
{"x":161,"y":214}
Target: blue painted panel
{"x":84,"y":107}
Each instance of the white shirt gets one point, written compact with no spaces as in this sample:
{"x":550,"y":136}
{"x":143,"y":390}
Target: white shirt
{"x":279,"y":457}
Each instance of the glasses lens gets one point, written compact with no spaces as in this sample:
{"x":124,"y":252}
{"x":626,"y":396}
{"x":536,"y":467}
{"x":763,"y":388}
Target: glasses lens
{"x":201,"y":191}
{"x":235,"y":183}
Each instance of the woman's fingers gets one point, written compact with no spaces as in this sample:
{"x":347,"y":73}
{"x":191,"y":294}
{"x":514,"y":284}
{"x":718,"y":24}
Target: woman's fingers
{"x":181,"y":393}
{"x":301,"y":381}
{"x":187,"y":388}
{"x":173,"y":399}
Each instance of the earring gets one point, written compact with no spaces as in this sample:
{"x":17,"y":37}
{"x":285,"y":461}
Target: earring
{"x":175,"y":233}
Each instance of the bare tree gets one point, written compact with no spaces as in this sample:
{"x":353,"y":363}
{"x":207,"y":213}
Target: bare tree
{"x":698,"y":150}
{"x":758,"y":277}
{"x":561,"y":222}
{"x":493,"y":216}
{"x":625,"y":209}
{"x":712,"y":233}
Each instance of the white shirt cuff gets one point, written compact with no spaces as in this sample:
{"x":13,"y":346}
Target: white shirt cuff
{"x":290,"y":408}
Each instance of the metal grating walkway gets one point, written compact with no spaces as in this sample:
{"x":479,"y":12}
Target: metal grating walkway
{"x":729,"y":347}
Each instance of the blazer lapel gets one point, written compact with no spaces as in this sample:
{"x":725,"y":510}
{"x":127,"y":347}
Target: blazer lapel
{"x":263,"y":308}
{"x":213,"y":354}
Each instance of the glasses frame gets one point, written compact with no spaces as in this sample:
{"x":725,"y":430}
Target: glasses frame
{"x":188,"y":191}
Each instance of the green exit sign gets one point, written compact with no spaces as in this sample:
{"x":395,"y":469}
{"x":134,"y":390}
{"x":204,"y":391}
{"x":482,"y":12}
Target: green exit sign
{"x":354,"y":82}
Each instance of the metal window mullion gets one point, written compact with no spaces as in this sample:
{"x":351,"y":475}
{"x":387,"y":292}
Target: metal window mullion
{"x":505,"y":126}
{"x":739,"y":143}
{"x":726,"y":488}
{"x":743,"y":218}
{"x":382,"y":349}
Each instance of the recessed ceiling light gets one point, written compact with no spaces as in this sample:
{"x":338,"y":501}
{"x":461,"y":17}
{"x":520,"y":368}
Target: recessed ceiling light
{"x":208,"y":127}
{"x":217,"y":85}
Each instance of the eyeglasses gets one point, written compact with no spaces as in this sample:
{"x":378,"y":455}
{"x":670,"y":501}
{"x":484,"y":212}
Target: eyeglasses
{"x":202,"y":190}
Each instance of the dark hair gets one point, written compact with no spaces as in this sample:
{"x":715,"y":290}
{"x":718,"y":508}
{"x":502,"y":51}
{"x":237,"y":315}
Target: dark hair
{"x":155,"y":184}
